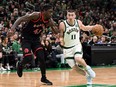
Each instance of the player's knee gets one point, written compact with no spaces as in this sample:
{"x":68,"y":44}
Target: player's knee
{"x":78,"y":59}
{"x":28,"y":56}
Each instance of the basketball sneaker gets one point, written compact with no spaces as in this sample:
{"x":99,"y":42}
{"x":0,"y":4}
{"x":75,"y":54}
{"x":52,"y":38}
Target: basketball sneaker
{"x":47,"y":82}
{"x":8,"y":68}
{"x":89,"y":79}
{"x":19,"y":69}
{"x":90,"y":72}
{"x":2,"y":69}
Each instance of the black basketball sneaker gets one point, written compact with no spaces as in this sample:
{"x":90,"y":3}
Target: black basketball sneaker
{"x":19,"y":68}
{"x":47,"y":82}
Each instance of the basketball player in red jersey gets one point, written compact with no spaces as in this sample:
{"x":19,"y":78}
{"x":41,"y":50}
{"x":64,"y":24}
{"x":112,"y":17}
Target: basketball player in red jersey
{"x":35,"y":24}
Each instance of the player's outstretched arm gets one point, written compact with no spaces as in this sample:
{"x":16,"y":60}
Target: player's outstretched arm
{"x":24,"y":18}
{"x":85,"y":28}
{"x":61,"y":28}
{"x":96,"y":29}
{"x":53,"y":26}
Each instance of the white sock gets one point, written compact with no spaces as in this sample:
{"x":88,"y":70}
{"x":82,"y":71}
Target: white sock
{"x":90,"y":71}
{"x":87,"y":67}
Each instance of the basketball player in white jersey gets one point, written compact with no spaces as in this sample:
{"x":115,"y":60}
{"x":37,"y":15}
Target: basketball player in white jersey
{"x":70,"y":41}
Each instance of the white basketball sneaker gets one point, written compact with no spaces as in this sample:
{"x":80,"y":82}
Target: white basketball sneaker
{"x":89,"y":79}
{"x":3,"y":69}
{"x":90,"y":72}
{"x":8,"y":67}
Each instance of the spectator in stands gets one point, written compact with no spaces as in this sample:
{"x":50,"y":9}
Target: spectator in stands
{"x":60,"y":55}
{"x":103,"y":40}
{"x":17,"y":49}
{"x":51,"y":60}
{"x":113,"y":40}
{"x":94,"y":40}
{"x":6,"y":52}
{"x":1,"y":56}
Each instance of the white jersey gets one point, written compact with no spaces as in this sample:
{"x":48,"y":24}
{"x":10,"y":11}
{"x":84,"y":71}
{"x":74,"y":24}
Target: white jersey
{"x":71,"y":34}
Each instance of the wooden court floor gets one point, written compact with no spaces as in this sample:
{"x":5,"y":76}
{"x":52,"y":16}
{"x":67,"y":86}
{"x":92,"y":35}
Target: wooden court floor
{"x":106,"y":77}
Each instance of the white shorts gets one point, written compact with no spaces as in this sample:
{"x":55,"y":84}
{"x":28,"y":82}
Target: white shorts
{"x":75,"y":51}
{"x":72,"y":53}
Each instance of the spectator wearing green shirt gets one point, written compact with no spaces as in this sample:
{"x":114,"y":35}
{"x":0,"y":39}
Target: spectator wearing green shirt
{"x":16,"y":47}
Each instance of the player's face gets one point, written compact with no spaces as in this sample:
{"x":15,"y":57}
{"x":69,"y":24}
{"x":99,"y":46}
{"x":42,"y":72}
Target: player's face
{"x":71,"y":15}
{"x":49,"y":13}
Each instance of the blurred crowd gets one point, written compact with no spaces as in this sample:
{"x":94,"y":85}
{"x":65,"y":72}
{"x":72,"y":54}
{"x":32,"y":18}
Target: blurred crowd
{"x":88,"y":11}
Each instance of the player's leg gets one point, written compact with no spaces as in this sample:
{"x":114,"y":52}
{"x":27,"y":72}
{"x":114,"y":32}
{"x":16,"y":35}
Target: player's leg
{"x":90,"y":74}
{"x":26,"y":46}
{"x":76,"y":68}
{"x":83,"y":72}
{"x":78,"y":58}
{"x":39,"y":53}
{"x":88,"y":69}
{"x":69,"y":57}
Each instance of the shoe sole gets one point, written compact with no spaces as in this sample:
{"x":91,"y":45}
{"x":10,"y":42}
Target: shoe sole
{"x":46,"y":83}
{"x":17,"y":69}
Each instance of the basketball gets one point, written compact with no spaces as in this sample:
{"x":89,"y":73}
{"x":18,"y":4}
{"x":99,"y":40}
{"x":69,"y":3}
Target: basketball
{"x":98,"y":30}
